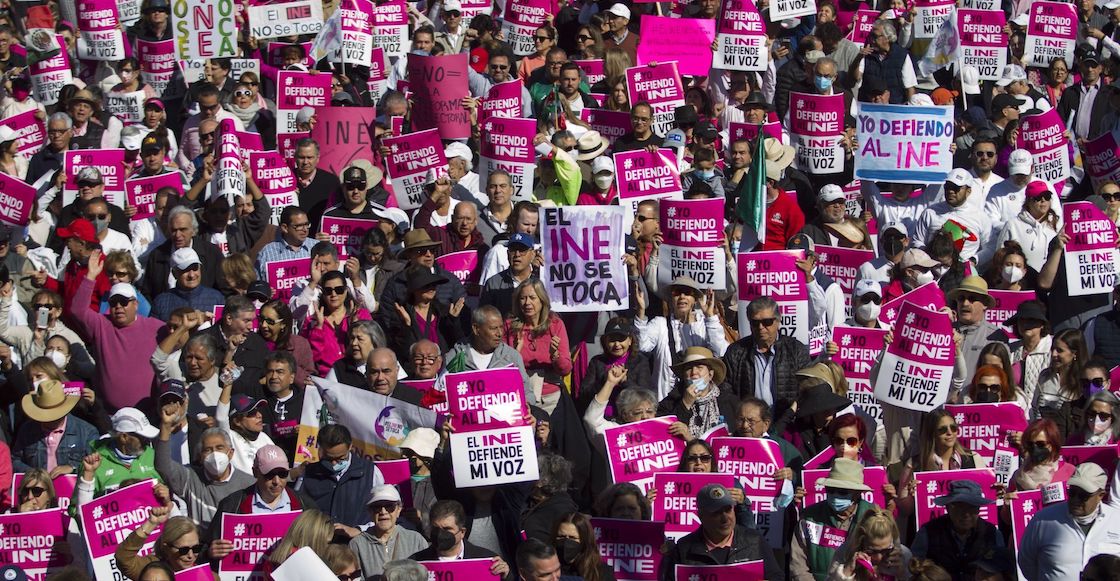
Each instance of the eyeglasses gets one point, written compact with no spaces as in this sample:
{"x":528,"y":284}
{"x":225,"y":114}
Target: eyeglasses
{"x":205,"y":136}
{"x":267,"y":321}
{"x":452,"y":13}
{"x":120,"y":274}
{"x":119,"y":301}
{"x":303,"y":226}
{"x":698,"y":458}
{"x":1102,"y":416}
{"x":337,"y":290}
{"x":182,"y":551}
{"x":954,"y":428}
{"x":850,"y":441}
{"x":278,"y":473}
{"x":757,"y":323}
{"x":243,"y":93}
{"x":43,"y":306}
{"x":424,"y":359}
{"x":1097,"y":382}
{"x":643,"y":219}
{"x":213,"y":107}
{"x":355,"y":185}
{"x":34,"y":490}
{"x":984,"y":153}
{"x":56,"y":131}
{"x":879,"y":552}
{"x":583,"y":38}
{"x":378,"y":507}
{"x":499,"y":67}
{"x":541,"y":38}
{"x":425,"y":250}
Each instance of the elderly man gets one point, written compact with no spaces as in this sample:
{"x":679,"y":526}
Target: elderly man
{"x":270,"y":493}
{"x":188,"y":291}
{"x":618,"y":17}
{"x":182,"y":226}
{"x":293,"y":240}
{"x":499,"y":69}
{"x":125,"y":455}
{"x":764,"y":363}
{"x":960,"y":538}
{"x":833,"y":226}
{"x":719,"y":541}
{"x":120,"y":340}
{"x":382,"y":371}
{"x":235,"y":331}
{"x":498,"y":289}
{"x":384,"y":540}
{"x":882,"y":58}
{"x":449,"y":539}
{"x":485,"y":348}
{"x":753,"y":421}
{"x":968,"y":224}
{"x":426,"y":360}
{"x":971,"y":300}
{"x":88,"y":131}
{"x":51,"y":157}
{"x":465,"y":184}
{"x":341,"y":480}
{"x":526,"y":220}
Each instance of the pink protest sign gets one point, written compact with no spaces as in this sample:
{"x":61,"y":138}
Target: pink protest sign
{"x":110,"y":162}
{"x":157,"y":62}
{"x":486,"y":399}
{"x":1007,"y":302}
{"x":983,"y":43}
{"x":399,"y":474}
{"x":1091,"y":251}
{"x":750,"y":131}
{"x":101,"y":36}
{"x":748,"y":571}
{"x":643,"y":175}
{"x":637,"y":450}
{"x":930,"y":485}
{"x":659,"y":86}
{"x":1023,"y":508}
{"x":859,"y":349}
{"x":31,"y":133}
{"x":610,"y":124}
{"x":775,"y":274}
{"x":141,"y":192}
{"x":693,"y":242}
{"x":248,"y":142}
{"x":464,"y":265}
{"x":1044,"y":135}
{"x":984,"y":426}
{"x":196,"y":573}
{"x":1051,"y":33}
{"x":917,"y":369}
{"x":378,"y":80}
{"x":346,"y":233}
{"x":873,"y":476}
{"x":631,"y":547}
{"x":862,"y":23}
{"x":685,"y":40}
{"x":929,"y":16}
{"x":16,"y":200}
{"x":741,"y":42}
{"x":507,"y":145}
{"x":296,"y":90}
{"x":502,"y":100}
{"x":592,"y":70}
{"x":462,"y":569}
{"x":1103,"y":456}
{"x":109,"y":519}
{"x":356,"y":26}
{"x":284,"y":275}
{"x":816,"y":123}
{"x":410,"y":157}
{"x":344,"y":134}
{"x":754,"y":461}
{"x":522,"y":17}
{"x":1102,"y":159}
{"x":676,"y":499}
{"x":440,"y":83}
{"x":853,"y":203}
{"x":286,"y":144}
{"x":276,"y":180}
{"x":390,"y":28}
{"x":253,"y":536}
{"x":928,"y":295}
{"x":49,"y":76}
{"x":842,"y":264}
{"x":33,"y":540}
{"x":63,"y":484}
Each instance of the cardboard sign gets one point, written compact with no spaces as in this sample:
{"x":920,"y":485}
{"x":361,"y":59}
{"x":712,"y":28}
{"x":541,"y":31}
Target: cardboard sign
{"x":128,"y":107}
{"x":610,"y":124}
{"x":157,"y":62}
{"x":676,"y":499}
{"x":344,"y":135}
{"x":486,"y":399}
{"x":873,"y":476}
{"x":442,"y":80}
{"x":930,"y":485}
{"x":929,"y":15}
{"x":297,"y":90}
{"x":862,"y":23}
{"x":904,"y":143}
{"x":750,"y":131}
{"x":253,"y":536}
{"x":1051,"y":33}
{"x":290,"y":18}
{"x":473,"y":569}
{"x":502,"y":100}
{"x":33,"y":540}
{"x":1044,"y":135}
{"x":643,"y":175}
{"x":205,"y":29}
{"x":583,"y":248}
{"x":1091,"y":251}
{"x":101,"y":38}
{"x":659,"y":86}
{"x":522,"y":18}
{"x":1007,"y":302}
{"x":592,"y":70}
{"x":928,"y":295}
{"x":276,"y":180}
{"x":110,"y":162}
{"x":284,"y":275}
{"x":754,"y":461}
{"x":1103,"y":456}
{"x":631,"y":547}
{"x":917,"y":369}
{"x":983,"y":43}
{"x":638,"y":450}
{"x":816,"y":123}
{"x":31,"y":133}
{"x":346,"y":233}
{"x":685,"y":40}
{"x":410,"y":158}
{"x":464,"y":265}
{"x":498,"y":456}
{"x":49,"y":76}
{"x":141,"y":192}
{"x":842,"y":265}
{"x":859,"y":349}
{"x":109,"y":519}
{"x":693,"y":243}
{"x":507,"y":145}
{"x":741,"y":42}
{"x":985,"y":426}
{"x":775,"y":274}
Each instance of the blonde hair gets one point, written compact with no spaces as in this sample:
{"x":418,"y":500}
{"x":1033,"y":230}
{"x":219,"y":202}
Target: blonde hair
{"x":312,"y":528}
{"x":174,"y":529}
{"x":40,"y":477}
{"x":237,"y":268}
{"x":544,"y":318}
{"x":876,"y":524}
{"x":122,"y":260}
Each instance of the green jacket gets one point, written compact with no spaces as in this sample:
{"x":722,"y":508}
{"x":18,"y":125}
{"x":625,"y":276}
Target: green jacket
{"x":568,"y":180}
{"x":112,"y":472}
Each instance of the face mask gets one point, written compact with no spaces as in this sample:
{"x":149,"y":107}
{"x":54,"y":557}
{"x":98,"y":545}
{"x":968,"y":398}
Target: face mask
{"x":839,"y":504}
{"x":58,"y":358}
{"x":568,"y":551}
{"x":1087,"y":519}
{"x":443,"y":540}
{"x":1013,"y":274}
{"x":704,"y":174}
{"x":20,"y":94}
{"x":604,"y":182}
{"x":923,"y":278}
{"x":735,"y":246}
{"x":785,"y":497}
{"x":101,"y":224}
{"x":987,"y":396}
{"x":867,"y":312}
{"x":892,"y":246}
{"x":1100,"y":427}
{"x":822,"y":83}
{"x":699,"y":384}
{"x":216,"y":464}
{"x":126,"y":77}
{"x":939,"y":271}
{"x":340,"y":467}
{"x":126,"y":458}
{"x":1039,"y":455}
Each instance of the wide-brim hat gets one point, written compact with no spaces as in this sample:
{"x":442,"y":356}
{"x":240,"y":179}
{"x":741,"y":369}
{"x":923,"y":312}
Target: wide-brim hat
{"x":975,"y":285}
{"x":84,"y":96}
{"x":590,"y":145}
{"x":701,"y":355}
{"x":417,"y":239}
{"x":48,"y":403}
{"x":778,"y":152}
{"x":820,"y":398}
{"x":1027,"y":310}
{"x":845,"y":474}
{"x":422,"y":278}
{"x":848,"y":230}
{"x":757,"y":100}
{"x":963,"y":491}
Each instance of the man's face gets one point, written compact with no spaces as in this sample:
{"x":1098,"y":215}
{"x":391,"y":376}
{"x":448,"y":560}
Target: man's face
{"x":215,"y":444}
{"x":59,"y":135}
{"x":764,"y":326}
{"x":756,"y":115}
{"x":239,"y":323}
{"x":80,"y":111}
{"x":423,"y":42}
{"x":500,"y":190}
{"x":708,"y":8}
{"x":298,"y":229}
{"x":381,"y":372}
{"x":1082,"y":503}
{"x":307,"y":159}
{"x":206,"y":132}
{"x":833,"y":212}
{"x":197,"y":365}
{"x":825,"y":69}
{"x":648,"y":223}
{"x":122,"y":310}
{"x":153,"y":160}
{"x":641,"y":121}
{"x":956,"y":195}
{"x":181,"y":231}
{"x":189,"y":278}
{"x":750,"y":423}
{"x":882,"y":42}
{"x":499,"y":69}
{"x":488,"y":335}
{"x":527,"y":222}
{"x":425,"y":256}
{"x":456,"y":168}
{"x":569,"y":82}
{"x":719,"y":524}
{"x":740,"y":155}
{"x":208,"y":106}
{"x":963,"y":516}
{"x":427,"y":360}
{"x":384,"y":515}
{"x":278,"y":377}
{"x":5,"y":43}
{"x":448,"y":524}
{"x":1090,"y":72}
{"x":90,"y":190}
{"x":970,"y":309}
{"x":520,"y":259}
{"x":464,"y":219}
{"x":542,"y":569}
{"x":617,"y":23}
{"x":554,"y":62}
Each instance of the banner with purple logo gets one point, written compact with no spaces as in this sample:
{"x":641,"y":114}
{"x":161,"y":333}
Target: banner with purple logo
{"x":486,"y":399}
{"x":502,"y":100}
{"x":754,"y":461}
{"x":49,"y":76}
{"x":985,"y":426}
{"x":873,"y":476}
{"x":1007,"y":302}
{"x":346,"y":233}
{"x":592,"y":70}
{"x":522,"y":18}
{"x":157,"y":62}
{"x":276,"y":180}
{"x":859,"y":349}
{"x":748,"y":571}
{"x":464,"y":264}
{"x":390,"y":28}
{"x":842,"y":265}
{"x":473,"y":569}
{"x":284,"y":275}
{"x":693,"y":243}
{"x":930,"y":485}
{"x":631,"y":547}
{"x":741,"y":42}
{"x":583,"y":248}
{"x":1102,"y":159}
{"x":928,"y":295}
{"x":775,"y":274}
{"x":917,"y":369}
{"x":659,"y":86}
{"x":643,"y":175}
{"x":107,"y":520}
{"x":101,"y":37}
{"x":229,"y":174}
{"x":31,"y":133}
{"x":816,"y":123}
{"x":253,"y":536}
{"x":296,"y":90}
{"x":862,"y":23}
{"x":507,"y":145}
{"x":685,"y":40}
{"x":410,"y":157}
{"x":442,"y":80}
{"x":110,"y":162}
{"x":1044,"y":135}
{"x":904,"y":143}
{"x":141,"y":192}
{"x":610,"y":124}
{"x":34,"y":541}
{"x":676,"y":499}
{"x":1091,"y":250}
{"x":983,"y":43}
{"x":1051,"y":33}
{"x":638,"y":450}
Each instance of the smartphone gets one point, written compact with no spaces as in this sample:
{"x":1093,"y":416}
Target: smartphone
{"x":43,"y":318}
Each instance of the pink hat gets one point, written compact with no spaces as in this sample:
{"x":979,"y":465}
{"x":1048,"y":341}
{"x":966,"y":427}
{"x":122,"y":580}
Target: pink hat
{"x":1037,"y":188}
{"x":270,"y":458}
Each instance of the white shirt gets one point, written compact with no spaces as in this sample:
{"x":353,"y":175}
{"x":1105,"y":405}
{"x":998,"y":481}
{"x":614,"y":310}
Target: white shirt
{"x":976,"y":222}
{"x":888,"y":210}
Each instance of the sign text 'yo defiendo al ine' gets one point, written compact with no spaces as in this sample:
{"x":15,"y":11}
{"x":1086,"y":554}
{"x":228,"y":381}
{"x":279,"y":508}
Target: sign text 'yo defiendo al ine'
{"x":774,"y":274}
{"x":904,"y":143}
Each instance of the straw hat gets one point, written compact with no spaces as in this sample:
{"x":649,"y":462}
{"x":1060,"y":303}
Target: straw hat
{"x":697,"y":355}
{"x":975,"y":285}
{"x":48,"y":403}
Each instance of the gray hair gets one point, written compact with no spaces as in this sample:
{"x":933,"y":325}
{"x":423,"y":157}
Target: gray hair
{"x":559,"y":137}
{"x":181,"y":210}
{"x":483,"y":313}
{"x":1114,"y":402}
{"x":208,"y":344}
{"x":887,"y":30}
{"x":61,"y":117}
{"x":761,"y":304}
{"x":372,"y":330}
{"x":632,"y":397}
{"x":555,"y":473}
{"x":404,"y":570}
{"x":209,"y":432}
{"x":308,"y":142}
{"x":237,"y":304}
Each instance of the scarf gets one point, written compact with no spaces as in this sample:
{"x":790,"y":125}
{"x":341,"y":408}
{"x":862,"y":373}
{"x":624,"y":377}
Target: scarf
{"x":1101,"y":439}
{"x":705,"y":414}
{"x":1038,"y":476}
{"x":247,"y":114}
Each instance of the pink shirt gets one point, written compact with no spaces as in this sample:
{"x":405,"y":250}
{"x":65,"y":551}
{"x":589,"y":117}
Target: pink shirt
{"x":54,"y":438}
{"x":535,"y":351}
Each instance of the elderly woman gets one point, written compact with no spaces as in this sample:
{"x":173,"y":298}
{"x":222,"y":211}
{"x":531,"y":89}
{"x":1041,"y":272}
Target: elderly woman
{"x":276,"y":324}
{"x":700,"y":400}
{"x":256,"y":117}
{"x":362,"y":338}
{"x":1102,"y":421}
{"x":633,"y":404}
{"x":620,"y":349}
{"x":625,"y":501}
{"x":178,"y":546}
{"x":540,"y":337}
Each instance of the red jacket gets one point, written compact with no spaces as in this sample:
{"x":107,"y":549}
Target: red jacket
{"x":783,"y":219}
{"x":72,"y":276}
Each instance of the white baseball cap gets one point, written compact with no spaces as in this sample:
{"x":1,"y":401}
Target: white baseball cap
{"x":132,"y":421}
{"x":830,"y":193}
{"x":602,"y":163}
{"x":619,"y":10}
{"x":866,"y":285}
{"x":1024,"y":18}
{"x":184,"y":258}
{"x":970,"y":80}
{"x":1011,"y":73}
{"x":1019,"y":162}
{"x":123,"y":289}
{"x":383,"y":493}
{"x":960,"y":177}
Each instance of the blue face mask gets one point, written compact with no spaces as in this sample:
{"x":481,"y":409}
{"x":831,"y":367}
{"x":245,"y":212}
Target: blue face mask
{"x":786,"y":496}
{"x":838,"y":503}
{"x":699,"y":384}
{"x":705,"y":174}
{"x":822,"y":83}
{"x":126,"y":458}
{"x":340,"y":467}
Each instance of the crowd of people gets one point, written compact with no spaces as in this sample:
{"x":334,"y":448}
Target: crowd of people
{"x":158,"y":348}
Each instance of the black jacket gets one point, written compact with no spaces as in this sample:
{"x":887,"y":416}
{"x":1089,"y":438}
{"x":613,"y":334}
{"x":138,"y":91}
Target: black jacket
{"x":345,"y":499}
{"x":1070,"y":101}
{"x":157,"y":269}
{"x":538,"y":519}
{"x":250,"y":356}
{"x":673,"y":404}
{"x":746,"y":545}
{"x":637,"y":375}
{"x":469,"y":552}
{"x":790,"y":355}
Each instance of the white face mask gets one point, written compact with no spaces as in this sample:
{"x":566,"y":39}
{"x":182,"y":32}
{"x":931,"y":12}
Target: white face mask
{"x":1100,"y":427}
{"x":216,"y":464}
{"x":604,"y":182}
{"x":923,"y":278}
{"x":59,"y":359}
{"x":1087,"y":519}
{"x":1013,"y":274}
{"x":867,"y":312}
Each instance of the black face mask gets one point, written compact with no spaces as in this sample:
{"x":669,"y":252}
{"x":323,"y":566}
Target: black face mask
{"x":444,"y":541}
{"x":568,"y":551}
{"x":892,"y":246}
{"x":1039,"y":454}
{"x":987,"y":396}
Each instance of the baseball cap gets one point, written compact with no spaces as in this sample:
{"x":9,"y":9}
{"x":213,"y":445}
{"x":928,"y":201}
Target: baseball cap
{"x":91,"y":175}
{"x":353,"y":174}
{"x":1087,"y":53}
{"x":243,"y":404}
{"x":713,"y":498}
{"x":897,"y":227}
{"x":800,"y":242}
{"x":1003,"y":101}
{"x":456,"y":149}
{"x":81,"y":229}
{"x":620,"y":327}
{"x":259,"y":289}
{"x":151,"y":144}
{"x":830,"y":193}
{"x":970,"y":80}
{"x":959,"y":177}
{"x":1021,"y":20}
{"x":422,"y":442}
{"x":270,"y":458}
{"x":521,"y":239}
{"x":706,"y":131}
{"x":602,"y":163}
{"x":865,"y":286}
{"x":1011,"y":73}
{"x":184,"y":258}
{"x":123,"y":289}
{"x":452,"y":5}
{"x":1019,"y":162}
{"x":942,"y":96}
{"x":674,"y":138}
{"x":1089,"y":477}
{"x":619,"y":10}
{"x":172,"y":388}
{"x":132,"y":421}
{"x":386,"y":492}
{"x":1038,"y":188}
{"x":131,"y":138}
{"x":918,"y":257}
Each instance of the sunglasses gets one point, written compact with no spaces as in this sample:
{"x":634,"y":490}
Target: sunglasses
{"x":43,"y":306}
{"x":425,"y":250}
{"x":182,"y":551}
{"x":205,"y":136}
{"x":989,"y":386}
{"x":191,"y":268}
{"x":378,"y":507}
{"x":337,"y":290}
{"x":984,"y":153}
{"x":1097,"y":382}
{"x":542,"y":38}
{"x":84,"y":184}
{"x":119,"y":301}
{"x":1044,"y":196}
{"x":278,"y":473}
{"x":34,"y":490}
{"x":500,"y":67}
{"x":763,"y":322}
{"x":870,"y":298}
{"x":120,"y":274}
{"x":243,"y":93}
{"x":350,"y":577}
{"x":92,"y":217}
{"x":879,"y":552}
{"x":698,"y":458}
{"x":1110,"y":196}
{"x":268,"y":321}
{"x":643,"y":219}
{"x":583,"y":38}
{"x":1102,"y":416}
{"x":850,"y":441}
{"x":954,"y":428}
{"x":355,"y":185}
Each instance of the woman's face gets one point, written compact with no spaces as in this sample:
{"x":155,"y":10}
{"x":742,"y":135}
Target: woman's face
{"x":879,"y":549}
{"x":567,"y":532}
{"x":1038,"y":206}
{"x":530,"y":304}
{"x":38,"y":375}
{"x":35,"y":493}
{"x":360,"y":346}
{"x":1060,"y":354}
{"x":697,"y":459}
{"x":947,"y":430}
{"x":619,"y":94}
{"x":174,"y":549}
{"x":626,"y":506}
{"x":1100,"y":411}
{"x":643,"y":410}
{"x":695,"y":99}
{"x":698,"y":372}
{"x":542,"y":40}
{"x":270,"y":324}
{"x":1016,"y":261}
{"x":846,"y":443}
{"x":1059,"y":72}
{"x":619,"y":345}
{"x":583,"y":38}
{"x":334,"y":293}
{"x":243,"y":96}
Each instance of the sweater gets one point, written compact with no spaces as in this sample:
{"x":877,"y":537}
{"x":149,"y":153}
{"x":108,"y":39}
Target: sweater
{"x":536,"y":352}
{"x":201,"y":494}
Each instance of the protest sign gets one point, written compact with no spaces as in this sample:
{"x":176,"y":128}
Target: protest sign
{"x":904,"y":143}
{"x":49,"y":76}
{"x":284,"y":275}
{"x":1024,"y":505}
{"x":128,"y":11}
{"x":276,"y":180}
{"x":928,"y":295}
{"x":157,"y":62}
{"x":862,"y":23}
{"x":378,"y":423}
{"x":507,"y":145}
{"x":842,"y":265}
{"x":685,"y":40}
{"x":344,"y":134}
{"x":816,"y":123}
{"x":274,"y":52}
{"x":693,"y":243}
{"x":108,"y":520}
{"x":472,"y":8}
{"x":473,"y":569}
{"x":1051,"y":33}
{"x":746,"y":571}
{"x":464,"y":265}
{"x":346,"y":233}
{"x":290,"y":18}
{"x":983,"y":43}
{"x":1091,"y":251}
{"x":929,"y":14}
{"x":390,"y":27}
{"x":497,"y":456}
{"x":873,"y":476}
{"x":741,"y":42}
{"x":775,"y":274}
{"x":205,"y":29}
{"x":592,"y":70}
{"x":486,"y":399}
{"x":410,"y":158}
{"x":985,"y":426}
{"x":676,"y":499}
{"x":583,"y":248}
{"x":201,"y":572}
{"x":1006,"y":303}
{"x":929,"y":485}
{"x":141,"y":192}
{"x":853,"y":201}
{"x":16,"y":200}
{"x":522,"y":18}
{"x":1103,"y":456}
{"x":610,"y":124}
{"x":750,"y":131}
{"x":644,"y":175}
{"x":917,"y":369}
{"x":786,"y":9}
{"x":398,"y":473}
{"x":295,"y":90}
{"x":502,"y":100}
{"x":238,"y":67}
{"x":1005,"y":463}
{"x":101,"y":38}
{"x":1102,"y":159}
{"x":110,"y":162}
{"x":229,"y":174}
{"x":30,"y":132}
{"x":859,"y":349}
{"x":638,"y":450}
{"x":253,"y":536}
{"x":1044,"y":135}
{"x":631,"y":547}
{"x":33,"y":540}
{"x":659,"y":86}
{"x":128,"y":107}
{"x":443,"y":82}
{"x":378,"y":82}
{"x":248,"y":142}
{"x":754,"y":461}
{"x":980,"y":4}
